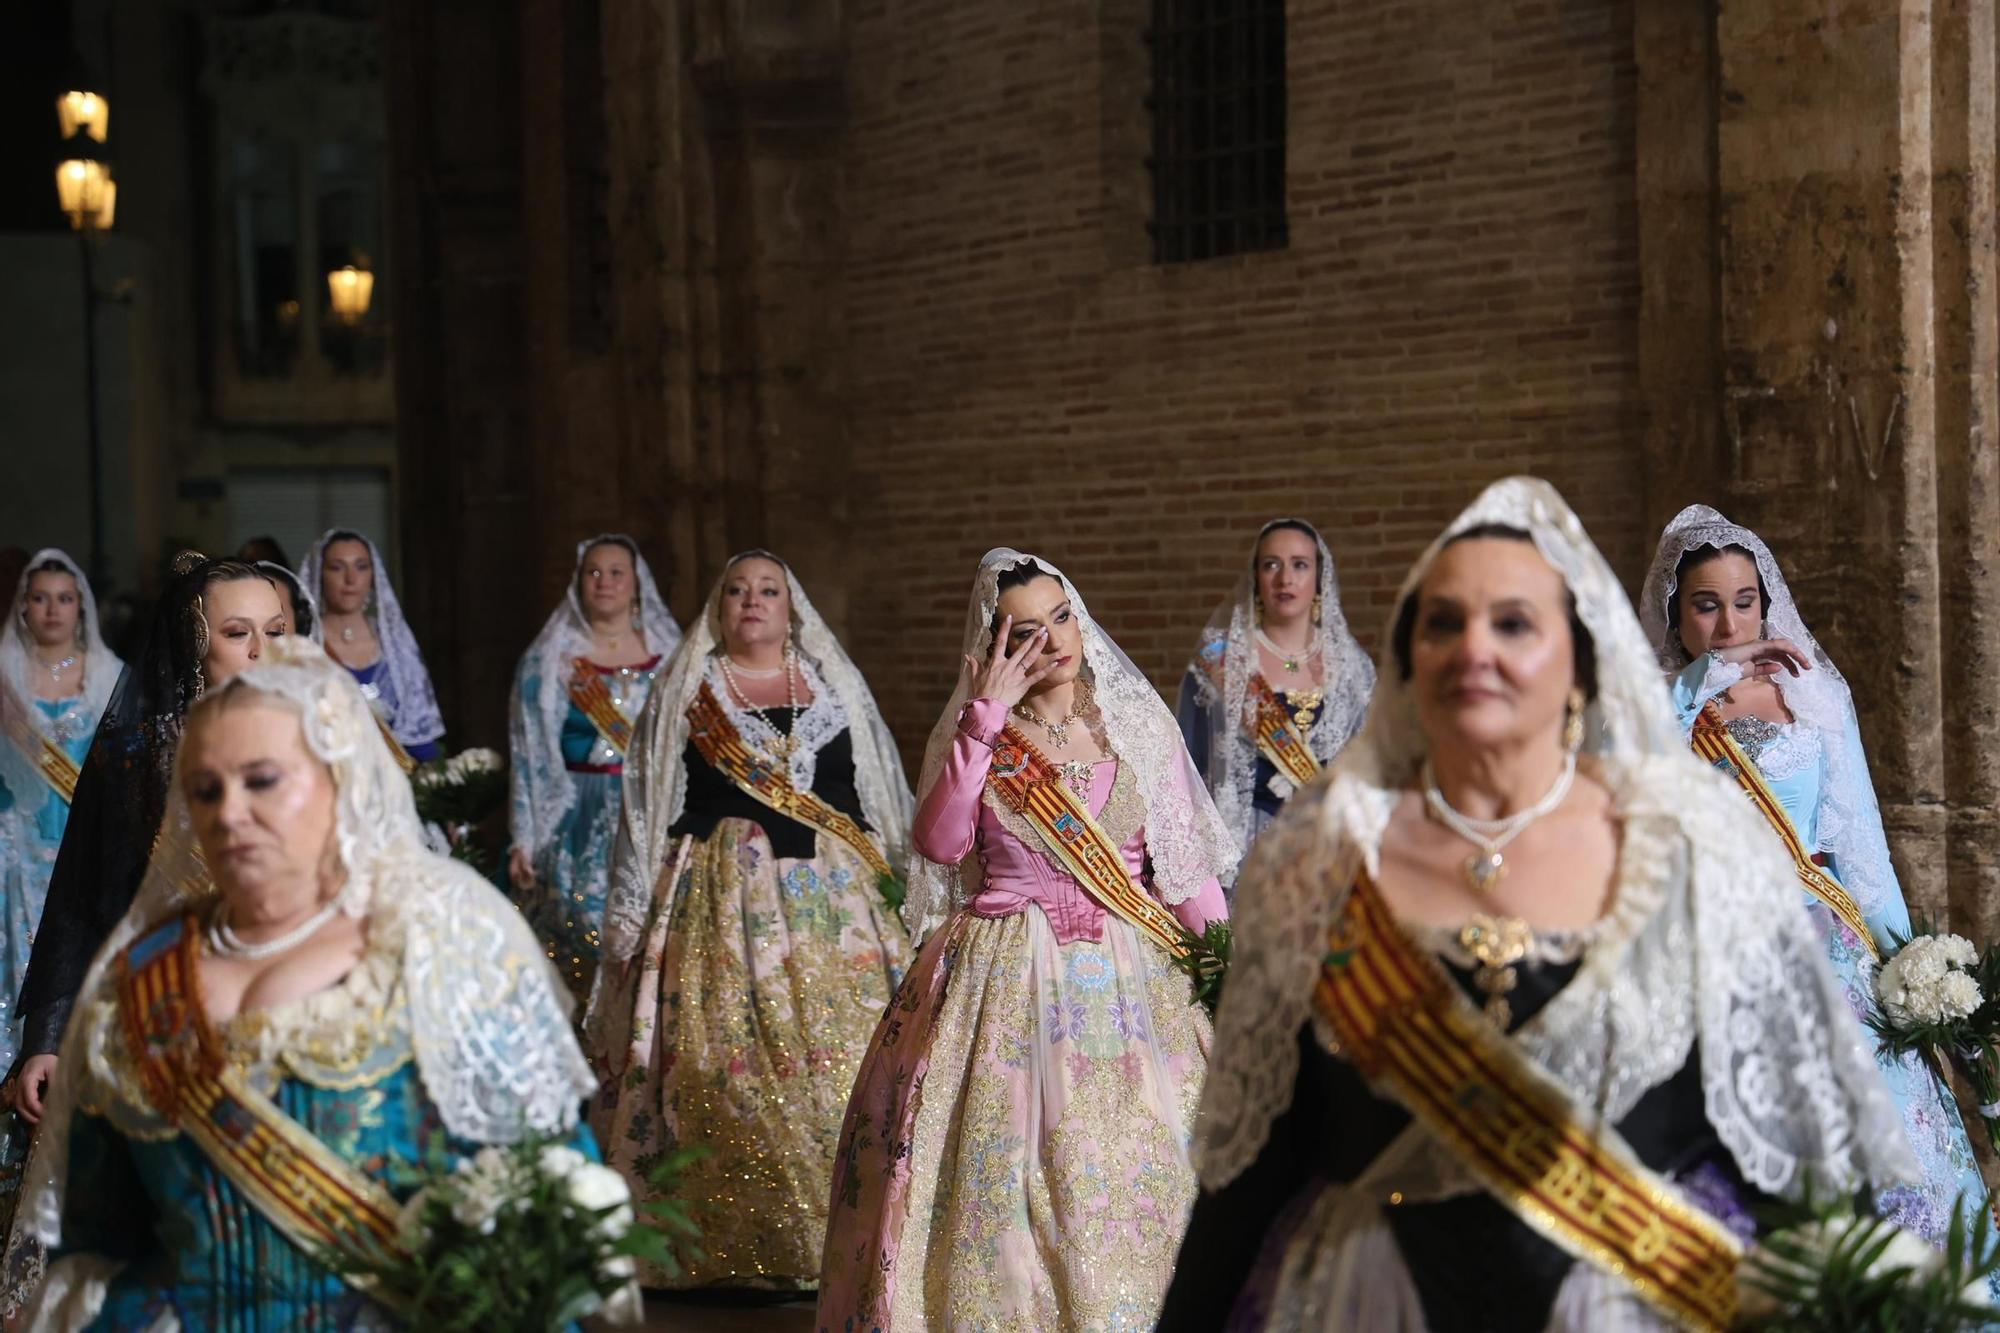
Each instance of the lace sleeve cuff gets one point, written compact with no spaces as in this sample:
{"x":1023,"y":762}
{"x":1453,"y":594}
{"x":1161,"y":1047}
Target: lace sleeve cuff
{"x":1698,"y":682}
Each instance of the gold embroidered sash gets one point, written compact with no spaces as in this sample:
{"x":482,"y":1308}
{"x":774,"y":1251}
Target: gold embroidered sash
{"x":592,"y":698}
{"x":49,"y":759}
{"x":1712,"y":741}
{"x":302,"y":1187}
{"x":1278,"y":736}
{"x":1032,"y":787}
{"x":718,"y":741}
{"x":1402,"y":1022}
{"x":402,"y":757}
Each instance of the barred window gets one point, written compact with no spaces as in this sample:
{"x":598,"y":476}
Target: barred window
{"x":1218,"y":107}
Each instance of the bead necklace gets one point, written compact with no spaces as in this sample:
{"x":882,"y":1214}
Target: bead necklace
{"x":1291,"y":661}
{"x":1058,"y":732}
{"x":1484,"y":871}
{"x":785,"y":742}
{"x":57,"y":668}
{"x":223,"y":941}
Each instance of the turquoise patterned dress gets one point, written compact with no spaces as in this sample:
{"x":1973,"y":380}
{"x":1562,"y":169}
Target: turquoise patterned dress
{"x":341,"y":1064}
{"x":1791,"y":757}
{"x":31,"y":829}
{"x":573,"y":870}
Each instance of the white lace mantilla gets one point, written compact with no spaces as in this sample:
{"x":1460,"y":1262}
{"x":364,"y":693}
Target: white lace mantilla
{"x":1706,"y":942}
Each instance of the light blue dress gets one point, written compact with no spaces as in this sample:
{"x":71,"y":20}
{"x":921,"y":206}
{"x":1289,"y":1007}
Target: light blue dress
{"x":31,"y":829}
{"x":573,"y":869}
{"x":1792,"y":759}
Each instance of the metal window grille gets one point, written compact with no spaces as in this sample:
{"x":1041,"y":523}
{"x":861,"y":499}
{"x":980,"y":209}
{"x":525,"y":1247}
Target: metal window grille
{"x":1218,"y":106}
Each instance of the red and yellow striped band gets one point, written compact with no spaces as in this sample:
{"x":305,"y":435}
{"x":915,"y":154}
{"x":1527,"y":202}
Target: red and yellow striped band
{"x":716,"y":739}
{"x":1402,"y":1022}
{"x":300,"y":1185}
{"x":592,"y":698}
{"x":1028,"y":783}
{"x":1278,"y":736}
{"x":1712,"y":741}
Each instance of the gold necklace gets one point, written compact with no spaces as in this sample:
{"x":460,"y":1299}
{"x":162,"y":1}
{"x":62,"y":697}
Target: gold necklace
{"x":1497,"y":944}
{"x":1058,"y":732}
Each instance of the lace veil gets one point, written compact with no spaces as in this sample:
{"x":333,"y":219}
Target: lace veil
{"x":1706,"y":939}
{"x":543,"y":790}
{"x":489,"y":1019}
{"x":1850,"y":822}
{"x":416,"y":720}
{"x":20,"y":721}
{"x":1186,"y":839}
{"x":655,"y":788}
{"x":1228,"y":642}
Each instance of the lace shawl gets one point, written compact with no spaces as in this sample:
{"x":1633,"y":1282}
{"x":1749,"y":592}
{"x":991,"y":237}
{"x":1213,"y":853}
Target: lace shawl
{"x":655,"y":786}
{"x":1850,"y":821}
{"x":488,"y":1017}
{"x":543,"y":789}
{"x":415,"y":720}
{"x":22,"y":725}
{"x":1185,"y":838}
{"x":1706,"y":940}
{"x":1230,"y":635}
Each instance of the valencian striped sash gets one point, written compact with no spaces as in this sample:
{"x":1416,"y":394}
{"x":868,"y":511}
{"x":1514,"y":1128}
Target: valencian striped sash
{"x":1278,"y":736}
{"x":718,"y":741}
{"x":1030,"y":785}
{"x":301,"y":1186}
{"x":592,"y":698}
{"x":1402,"y":1022}
{"x":61,"y":770}
{"x":1712,"y":741}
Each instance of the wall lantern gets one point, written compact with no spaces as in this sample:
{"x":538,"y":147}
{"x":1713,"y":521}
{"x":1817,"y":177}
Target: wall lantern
{"x":349,"y":290}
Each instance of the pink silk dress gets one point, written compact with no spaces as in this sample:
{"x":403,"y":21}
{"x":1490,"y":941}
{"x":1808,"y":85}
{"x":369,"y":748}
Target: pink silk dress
{"x":1015,"y":1152}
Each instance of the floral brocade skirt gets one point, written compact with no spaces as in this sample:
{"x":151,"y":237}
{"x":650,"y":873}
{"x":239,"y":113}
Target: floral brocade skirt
{"x":738,"y":1027}
{"x":1016,"y":1154}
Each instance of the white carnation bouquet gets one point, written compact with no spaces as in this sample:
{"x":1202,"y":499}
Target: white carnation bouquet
{"x":460,"y":794}
{"x":532,"y":1236}
{"x":1936,"y":996}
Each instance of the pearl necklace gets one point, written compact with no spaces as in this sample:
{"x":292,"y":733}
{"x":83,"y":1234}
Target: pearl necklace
{"x":1292,"y":661}
{"x":223,"y":941}
{"x":1484,"y":871}
{"x":785,"y":742}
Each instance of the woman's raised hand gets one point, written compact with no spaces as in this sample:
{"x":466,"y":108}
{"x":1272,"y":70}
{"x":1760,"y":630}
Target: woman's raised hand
{"x":1009,"y":679}
{"x":1767,"y":657}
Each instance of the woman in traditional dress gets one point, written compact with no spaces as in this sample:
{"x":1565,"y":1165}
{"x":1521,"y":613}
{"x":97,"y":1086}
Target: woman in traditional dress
{"x":1015,"y":1155}
{"x":1759,"y":698}
{"x":364,"y":631}
{"x":215,"y":618}
{"x":750,"y":941}
{"x":1524,"y":1011}
{"x":1278,"y":684}
{"x":300,"y":969}
{"x":578,"y":690}
{"x":55,"y":679}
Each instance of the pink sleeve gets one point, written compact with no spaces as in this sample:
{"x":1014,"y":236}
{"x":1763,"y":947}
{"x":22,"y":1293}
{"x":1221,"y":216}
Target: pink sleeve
{"x":950,"y":810}
{"x":1206,"y":906}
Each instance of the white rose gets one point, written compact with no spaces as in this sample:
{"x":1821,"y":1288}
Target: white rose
{"x":595,"y":1187}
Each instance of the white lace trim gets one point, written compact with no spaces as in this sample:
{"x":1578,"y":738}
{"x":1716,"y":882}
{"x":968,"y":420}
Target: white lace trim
{"x":1779,"y":749}
{"x":816,"y":724}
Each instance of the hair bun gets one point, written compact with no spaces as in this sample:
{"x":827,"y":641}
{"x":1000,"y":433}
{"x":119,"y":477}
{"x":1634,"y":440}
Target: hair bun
{"x":187,"y":562}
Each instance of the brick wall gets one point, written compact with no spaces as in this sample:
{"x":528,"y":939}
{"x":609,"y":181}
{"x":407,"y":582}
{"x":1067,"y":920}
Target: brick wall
{"x":1459,"y":301}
